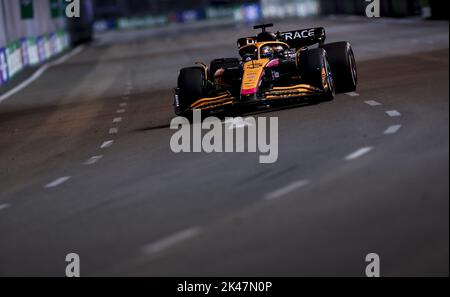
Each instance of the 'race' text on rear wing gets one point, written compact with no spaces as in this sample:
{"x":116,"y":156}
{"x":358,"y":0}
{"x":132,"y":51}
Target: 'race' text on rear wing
{"x":295,"y":39}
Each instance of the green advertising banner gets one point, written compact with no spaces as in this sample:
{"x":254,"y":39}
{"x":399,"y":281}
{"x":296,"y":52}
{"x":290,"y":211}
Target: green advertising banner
{"x":14,"y":58}
{"x":55,"y":8}
{"x":26,"y":9}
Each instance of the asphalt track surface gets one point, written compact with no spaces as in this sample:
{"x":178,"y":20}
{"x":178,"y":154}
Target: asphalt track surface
{"x":134,"y":208}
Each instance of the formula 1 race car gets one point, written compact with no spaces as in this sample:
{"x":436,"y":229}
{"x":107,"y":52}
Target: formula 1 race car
{"x":274,"y":68}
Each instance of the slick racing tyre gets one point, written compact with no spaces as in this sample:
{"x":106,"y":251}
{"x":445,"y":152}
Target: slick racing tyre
{"x":343,"y":66}
{"x":315,"y":71}
{"x":191,"y":86}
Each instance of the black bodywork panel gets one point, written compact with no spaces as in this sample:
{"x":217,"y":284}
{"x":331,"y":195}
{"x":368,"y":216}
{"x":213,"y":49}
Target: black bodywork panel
{"x":286,"y":73}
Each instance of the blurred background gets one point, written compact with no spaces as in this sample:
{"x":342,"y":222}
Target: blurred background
{"x":32,"y":31}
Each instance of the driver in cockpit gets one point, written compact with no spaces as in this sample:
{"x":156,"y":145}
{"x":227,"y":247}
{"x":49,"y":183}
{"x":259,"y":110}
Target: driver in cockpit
{"x":272,"y":51}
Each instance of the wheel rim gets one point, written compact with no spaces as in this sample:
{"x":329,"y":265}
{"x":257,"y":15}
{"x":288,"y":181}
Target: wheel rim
{"x":329,"y":77}
{"x":353,"y":69}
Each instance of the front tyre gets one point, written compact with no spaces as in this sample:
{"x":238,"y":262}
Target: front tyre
{"x":343,"y":66}
{"x":191,"y":87}
{"x":315,"y":71}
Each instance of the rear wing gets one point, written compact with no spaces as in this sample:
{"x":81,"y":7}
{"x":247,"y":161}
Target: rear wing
{"x":246,"y":41}
{"x":295,"y":39}
{"x":306,"y":37}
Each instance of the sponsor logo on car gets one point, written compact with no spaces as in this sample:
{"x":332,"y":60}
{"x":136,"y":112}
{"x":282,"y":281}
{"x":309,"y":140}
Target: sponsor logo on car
{"x":299,"y":34}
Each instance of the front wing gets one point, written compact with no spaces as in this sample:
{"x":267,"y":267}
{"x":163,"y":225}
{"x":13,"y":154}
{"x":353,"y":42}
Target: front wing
{"x":225,"y":100}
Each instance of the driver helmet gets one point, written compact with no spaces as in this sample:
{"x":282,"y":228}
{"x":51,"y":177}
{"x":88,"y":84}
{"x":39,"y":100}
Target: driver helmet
{"x":267,"y":52}
{"x":278,"y":49}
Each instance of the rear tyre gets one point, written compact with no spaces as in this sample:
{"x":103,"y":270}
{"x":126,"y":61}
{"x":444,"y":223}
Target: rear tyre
{"x":343,"y":66}
{"x":191,"y":86}
{"x":315,"y":71}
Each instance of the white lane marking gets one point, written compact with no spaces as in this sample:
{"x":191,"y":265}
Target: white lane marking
{"x":393,"y":113}
{"x":117,"y":120}
{"x":69,"y":55}
{"x":170,"y":241}
{"x":359,"y":153}
{"x":373,"y":103}
{"x":392,"y":129}
{"x":58,"y":182}
{"x":121,"y":111}
{"x":124,"y":104}
{"x":93,"y":160}
{"x":26,"y":83}
{"x":39,"y":73}
{"x":4,"y":206}
{"x":287,"y":189}
{"x":352,"y":94}
{"x":113,"y":131}
{"x":107,"y":144}
{"x":125,"y":97}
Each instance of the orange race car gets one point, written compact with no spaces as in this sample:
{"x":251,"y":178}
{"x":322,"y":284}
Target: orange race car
{"x":273,"y":68}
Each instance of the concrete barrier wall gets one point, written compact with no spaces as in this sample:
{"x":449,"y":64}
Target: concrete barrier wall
{"x":14,"y":27}
{"x":31,"y":32}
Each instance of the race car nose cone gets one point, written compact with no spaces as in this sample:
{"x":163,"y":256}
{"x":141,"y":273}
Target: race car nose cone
{"x":248,"y":91}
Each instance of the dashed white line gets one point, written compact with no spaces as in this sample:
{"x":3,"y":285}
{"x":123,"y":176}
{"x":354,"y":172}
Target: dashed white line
{"x":113,"y":131}
{"x":107,"y":144}
{"x":124,"y":104}
{"x":287,"y":189}
{"x":393,"y":113}
{"x":121,"y":111}
{"x":392,"y":129}
{"x":117,"y":120}
{"x":352,"y":94}
{"x":57,"y":182}
{"x":93,"y":160}
{"x":359,"y":153}
{"x":170,"y":241}
{"x":373,"y":103}
{"x":4,"y":206}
